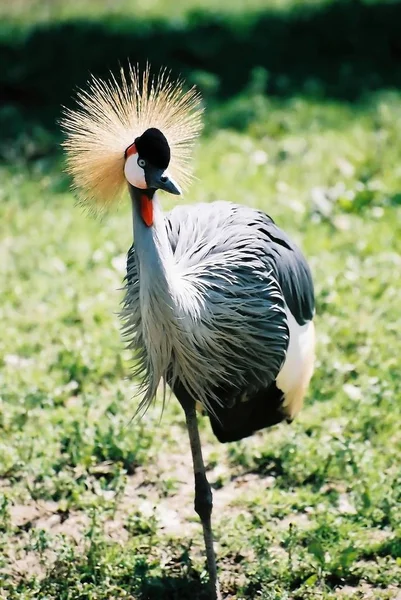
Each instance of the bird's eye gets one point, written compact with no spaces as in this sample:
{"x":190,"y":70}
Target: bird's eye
{"x":141,"y":162}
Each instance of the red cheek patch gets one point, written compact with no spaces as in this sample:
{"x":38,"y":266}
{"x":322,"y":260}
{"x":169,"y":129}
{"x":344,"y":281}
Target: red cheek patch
{"x":131,"y":150}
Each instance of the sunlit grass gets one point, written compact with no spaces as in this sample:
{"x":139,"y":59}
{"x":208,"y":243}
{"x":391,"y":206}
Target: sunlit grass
{"x":42,"y":11}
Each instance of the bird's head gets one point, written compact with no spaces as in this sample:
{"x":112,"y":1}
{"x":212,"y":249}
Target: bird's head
{"x":131,"y":131}
{"x":147,"y":161}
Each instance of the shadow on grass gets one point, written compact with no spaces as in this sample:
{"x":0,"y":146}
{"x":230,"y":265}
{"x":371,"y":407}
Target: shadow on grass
{"x":63,"y":583}
{"x":343,"y":49}
{"x":173,"y":588}
{"x":105,"y":570}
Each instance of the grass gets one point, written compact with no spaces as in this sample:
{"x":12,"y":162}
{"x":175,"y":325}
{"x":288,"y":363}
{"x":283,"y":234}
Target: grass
{"x":96,"y":506}
{"x":56,"y":10}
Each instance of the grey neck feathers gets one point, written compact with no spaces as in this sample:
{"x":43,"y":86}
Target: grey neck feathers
{"x":163,"y":313}
{"x":153,"y":249}
{"x":154,"y":261}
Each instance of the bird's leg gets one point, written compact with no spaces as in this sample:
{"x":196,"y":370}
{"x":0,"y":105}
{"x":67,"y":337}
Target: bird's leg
{"x":203,"y":496}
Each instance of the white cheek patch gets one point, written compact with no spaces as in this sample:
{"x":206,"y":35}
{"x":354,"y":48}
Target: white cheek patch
{"x":134,"y":174}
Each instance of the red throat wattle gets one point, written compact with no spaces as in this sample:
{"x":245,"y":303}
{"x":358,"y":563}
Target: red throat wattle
{"x":147,"y":210}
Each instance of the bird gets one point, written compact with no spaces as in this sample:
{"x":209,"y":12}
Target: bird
{"x":219,"y":301}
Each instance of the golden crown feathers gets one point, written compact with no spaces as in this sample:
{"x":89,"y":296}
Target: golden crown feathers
{"x":111,"y":114}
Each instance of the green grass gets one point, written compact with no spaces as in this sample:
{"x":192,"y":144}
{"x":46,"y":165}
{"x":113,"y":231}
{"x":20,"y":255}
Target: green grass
{"x":95,"y":506}
{"x":56,"y":10}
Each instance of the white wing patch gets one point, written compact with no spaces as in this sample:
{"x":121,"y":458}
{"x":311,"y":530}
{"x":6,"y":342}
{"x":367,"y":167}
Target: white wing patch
{"x":297,"y":370}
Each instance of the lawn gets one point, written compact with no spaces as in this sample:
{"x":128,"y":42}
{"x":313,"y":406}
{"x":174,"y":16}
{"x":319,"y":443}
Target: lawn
{"x":97,"y":506}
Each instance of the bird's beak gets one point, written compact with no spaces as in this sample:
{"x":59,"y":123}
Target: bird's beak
{"x":159,"y":179}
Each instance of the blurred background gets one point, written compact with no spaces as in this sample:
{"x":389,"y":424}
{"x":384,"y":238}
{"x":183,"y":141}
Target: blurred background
{"x":303,"y":120}
{"x":236,"y":53}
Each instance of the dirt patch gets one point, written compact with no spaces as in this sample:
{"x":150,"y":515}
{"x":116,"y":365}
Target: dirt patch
{"x":164,"y":490}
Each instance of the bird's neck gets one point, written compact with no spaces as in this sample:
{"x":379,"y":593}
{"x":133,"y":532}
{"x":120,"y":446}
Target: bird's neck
{"x":152,"y":247}
{"x":155,"y":303}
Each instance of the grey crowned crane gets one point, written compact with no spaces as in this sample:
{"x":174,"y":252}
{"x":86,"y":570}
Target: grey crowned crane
{"x":219,"y":301}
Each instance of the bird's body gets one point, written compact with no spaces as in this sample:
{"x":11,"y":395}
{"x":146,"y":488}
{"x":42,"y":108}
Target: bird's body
{"x":229,"y":314}
{"x":219,"y":302}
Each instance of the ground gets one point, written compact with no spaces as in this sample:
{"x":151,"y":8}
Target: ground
{"x":95,"y":505}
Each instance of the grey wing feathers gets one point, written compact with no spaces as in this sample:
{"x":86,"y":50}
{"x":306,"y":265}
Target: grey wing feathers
{"x":285,"y":258}
{"x":293,"y":272}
